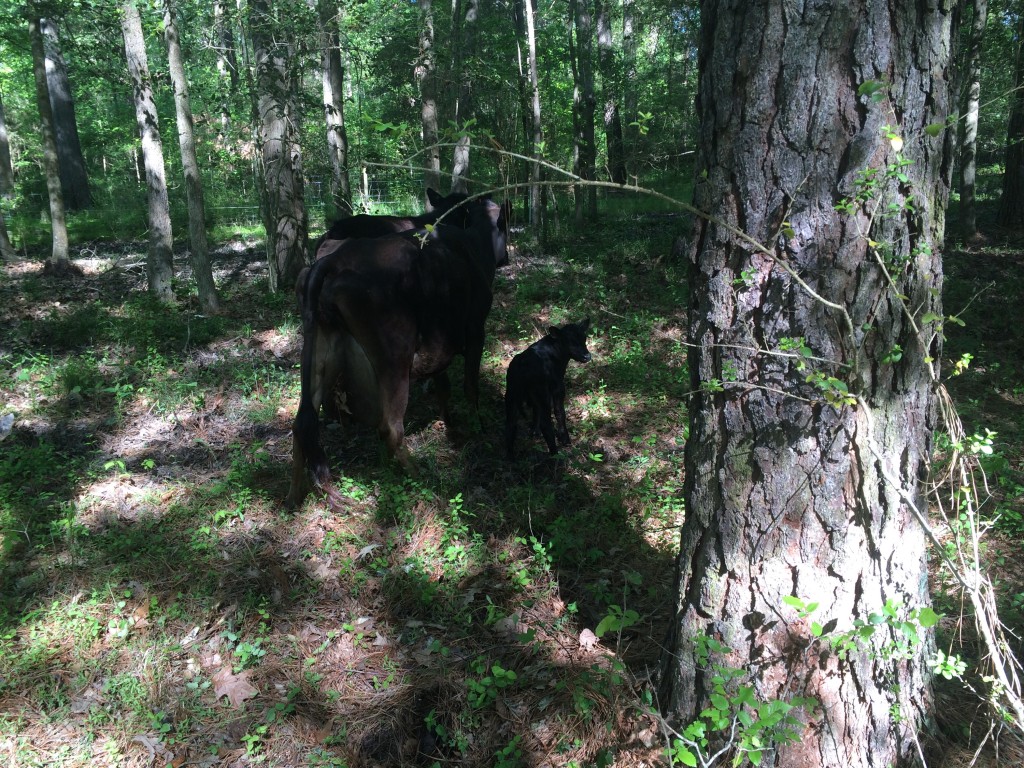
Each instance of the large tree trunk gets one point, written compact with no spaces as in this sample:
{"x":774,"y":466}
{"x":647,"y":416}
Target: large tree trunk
{"x":74,"y":180}
{"x":334,"y":109}
{"x":794,"y":488}
{"x":159,"y":263}
{"x":610,"y":87}
{"x":969,"y":150}
{"x":59,"y":262}
{"x":1011,"y":203}
{"x":200,"y":252}
{"x":584,"y":106}
{"x":6,"y":168}
{"x":284,"y":210}
{"x":425,"y":74}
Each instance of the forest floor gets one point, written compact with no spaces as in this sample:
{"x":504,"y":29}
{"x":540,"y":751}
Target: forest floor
{"x":158,"y":605}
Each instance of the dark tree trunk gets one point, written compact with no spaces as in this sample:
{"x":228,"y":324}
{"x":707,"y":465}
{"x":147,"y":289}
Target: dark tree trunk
{"x":425,"y":74}
{"x":74,"y":180}
{"x":59,"y":262}
{"x":159,"y":263}
{"x":792,"y":488}
{"x":199,"y":250}
{"x":584,"y":107}
{"x":1011,"y":203}
{"x":334,"y":109}
{"x":969,"y":149}
{"x":6,"y":169}
{"x":284,"y":210}
{"x":611,"y":86}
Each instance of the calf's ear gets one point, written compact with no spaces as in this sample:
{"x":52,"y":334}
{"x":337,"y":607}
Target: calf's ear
{"x":585,"y":325}
{"x":433,"y":196}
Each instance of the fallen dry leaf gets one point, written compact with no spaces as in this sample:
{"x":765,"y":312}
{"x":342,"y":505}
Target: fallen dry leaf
{"x":236,"y":687}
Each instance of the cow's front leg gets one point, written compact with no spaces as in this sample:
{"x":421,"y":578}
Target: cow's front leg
{"x":394,"y":399}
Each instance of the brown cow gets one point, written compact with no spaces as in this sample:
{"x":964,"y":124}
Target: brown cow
{"x":380,"y":312}
{"x":366,"y":225}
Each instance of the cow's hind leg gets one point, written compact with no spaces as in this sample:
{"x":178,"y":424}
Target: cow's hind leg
{"x":394,"y":399}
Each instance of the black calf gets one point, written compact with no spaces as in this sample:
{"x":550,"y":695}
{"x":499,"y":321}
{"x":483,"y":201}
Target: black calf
{"x":536,"y":376}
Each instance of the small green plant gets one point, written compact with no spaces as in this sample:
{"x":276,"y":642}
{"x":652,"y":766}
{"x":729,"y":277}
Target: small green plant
{"x":750,"y":727}
{"x":509,"y":756}
{"x":484,"y":689}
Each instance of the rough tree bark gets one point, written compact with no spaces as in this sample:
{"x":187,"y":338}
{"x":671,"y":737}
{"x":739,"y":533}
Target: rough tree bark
{"x":969,"y":148}
{"x":786,"y":493}
{"x":6,"y":168}
{"x":59,"y":262}
{"x":425,"y":74}
{"x":1011,"y":202}
{"x":284,"y":211}
{"x":199,"y":249}
{"x":536,"y":196}
{"x":334,"y":108}
{"x":74,"y":179}
{"x":610,"y":89}
{"x":159,"y":262}
{"x":584,"y":106}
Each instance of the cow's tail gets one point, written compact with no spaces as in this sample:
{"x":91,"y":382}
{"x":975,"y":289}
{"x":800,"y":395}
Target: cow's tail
{"x":306,"y":428}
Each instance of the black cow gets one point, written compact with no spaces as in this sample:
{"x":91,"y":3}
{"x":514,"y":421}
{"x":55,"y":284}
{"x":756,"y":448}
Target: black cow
{"x":380,"y":312}
{"x":536,"y":377}
{"x":366,"y":225}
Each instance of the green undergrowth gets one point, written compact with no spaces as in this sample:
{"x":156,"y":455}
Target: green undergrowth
{"x":161,"y":606}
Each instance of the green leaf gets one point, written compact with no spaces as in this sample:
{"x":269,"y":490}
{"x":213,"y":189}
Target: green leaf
{"x":682,"y":755}
{"x":793,"y":601}
{"x":927,"y":617}
{"x":720,"y":702}
{"x":934,"y":129}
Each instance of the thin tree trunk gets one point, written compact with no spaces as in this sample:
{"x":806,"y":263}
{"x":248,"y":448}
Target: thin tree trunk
{"x":334,"y":109}
{"x":1011,"y":203}
{"x":969,"y":150}
{"x":59,"y":262}
{"x":159,"y":263}
{"x":788,"y":493}
{"x":74,"y":179}
{"x":199,"y":250}
{"x":584,"y":107}
{"x":7,"y":250}
{"x":631,"y":130}
{"x":611,"y":87}
{"x":536,"y":198}
{"x":284,"y":212}
{"x":227,"y":63}
{"x":466,"y":45}
{"x":6,"y":168}
{"x":425,"y":74}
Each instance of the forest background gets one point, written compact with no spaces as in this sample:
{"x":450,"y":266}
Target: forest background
{"x":150,"y":434}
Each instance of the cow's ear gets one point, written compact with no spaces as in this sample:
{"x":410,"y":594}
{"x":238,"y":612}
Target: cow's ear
{"x":554,"y":331}
{"x":433,"y":196}
{"x":585,"y":325}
